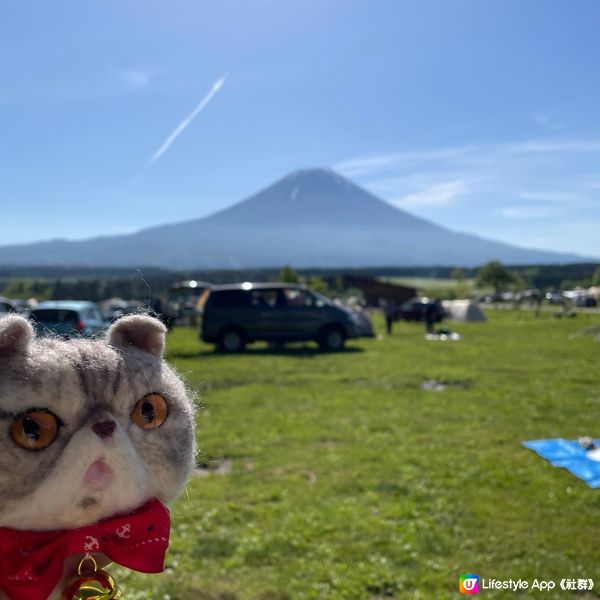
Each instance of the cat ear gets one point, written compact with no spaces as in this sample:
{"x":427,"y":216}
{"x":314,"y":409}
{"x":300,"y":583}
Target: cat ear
{"x":16,"y":334}
{"x":138,"y":331}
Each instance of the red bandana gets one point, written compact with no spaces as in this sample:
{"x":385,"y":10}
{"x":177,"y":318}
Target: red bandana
{"x":31,"y":562}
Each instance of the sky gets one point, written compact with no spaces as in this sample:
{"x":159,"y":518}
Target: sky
{"x":480,"y":115}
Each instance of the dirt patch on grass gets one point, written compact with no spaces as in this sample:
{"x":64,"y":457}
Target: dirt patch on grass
{"x":435,"y":385}
{"x":310,"y":476}
{"x":329,"y":443}
{"x":378,"y":383}
{"x":213,"y":467}
{"x":593,"y":330}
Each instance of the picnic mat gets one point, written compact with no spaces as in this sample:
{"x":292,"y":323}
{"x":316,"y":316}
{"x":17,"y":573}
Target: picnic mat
{"x":568,"y":454}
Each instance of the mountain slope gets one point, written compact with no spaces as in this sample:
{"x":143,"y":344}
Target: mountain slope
{"x":309,"y":218}
{"x":311,"y":198}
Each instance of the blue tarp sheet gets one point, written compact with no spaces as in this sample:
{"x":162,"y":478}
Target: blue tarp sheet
{"x":569,"y":455}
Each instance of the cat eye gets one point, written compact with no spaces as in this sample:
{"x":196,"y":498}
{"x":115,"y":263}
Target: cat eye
{"x":150,"y":412}
{"x":34,"y":430}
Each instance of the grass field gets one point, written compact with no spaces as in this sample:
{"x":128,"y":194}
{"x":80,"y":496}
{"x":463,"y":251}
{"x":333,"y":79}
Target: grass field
{"x":432,"y":283}
{"x":347,"y":480}
{"x":428,"y":282}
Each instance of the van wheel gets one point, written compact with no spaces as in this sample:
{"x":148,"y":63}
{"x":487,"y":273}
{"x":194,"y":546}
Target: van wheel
{"x":231,"y":340}
{"x":332,"y":338}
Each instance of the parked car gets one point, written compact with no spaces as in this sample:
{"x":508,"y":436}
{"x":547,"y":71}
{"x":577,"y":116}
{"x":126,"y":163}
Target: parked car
{"x":585,"y":301}
{"x":183,"y":298}
{"x":416,"y":309}
{"x":6,"y":306}
{"x":23,"y":307}
{"x":556,"y":298}
{"x":68,"y":318}
{"x":115,"y":308}
{"x":237,"y":314}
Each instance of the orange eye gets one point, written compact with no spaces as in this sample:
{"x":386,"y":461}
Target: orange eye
{"x":150,"y":412}
{"x":34,"y":430}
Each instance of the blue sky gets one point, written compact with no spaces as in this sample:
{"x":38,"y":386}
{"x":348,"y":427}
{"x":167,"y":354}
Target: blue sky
{"x":480,"y":115}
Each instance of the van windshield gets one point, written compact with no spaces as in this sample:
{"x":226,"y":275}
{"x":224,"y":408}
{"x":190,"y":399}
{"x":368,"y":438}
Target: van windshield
{"x":304,"y":298}
{"x":321,"y":300}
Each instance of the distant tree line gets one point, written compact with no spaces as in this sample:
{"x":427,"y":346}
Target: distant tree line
{"x":80,"y":289}
{"x":61,"y":283}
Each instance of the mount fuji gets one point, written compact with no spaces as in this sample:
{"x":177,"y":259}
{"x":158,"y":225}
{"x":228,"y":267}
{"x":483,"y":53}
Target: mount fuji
{"x":311,"y":218}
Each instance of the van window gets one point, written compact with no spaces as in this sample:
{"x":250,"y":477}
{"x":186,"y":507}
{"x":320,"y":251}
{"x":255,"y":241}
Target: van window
{"x":230,"y":299}
{"x":264,"y":298}
{"x":297,"y":298}
{"x":91,"y":314}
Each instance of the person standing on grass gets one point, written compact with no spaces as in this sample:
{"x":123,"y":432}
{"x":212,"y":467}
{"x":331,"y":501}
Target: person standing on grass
{"x":431,"y":315}
{"x":389,"y":310}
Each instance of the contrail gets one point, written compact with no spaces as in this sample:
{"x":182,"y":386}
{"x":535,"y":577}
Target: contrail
{"x":167,"y":143}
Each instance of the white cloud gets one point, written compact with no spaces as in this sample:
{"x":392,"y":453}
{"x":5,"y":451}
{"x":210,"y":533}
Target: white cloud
{"x":373,"y":163}
{"x":513,"y":191}
{"x":438,"y":194}
{"x":535,"y":171}
{"x":552,"y":196}
{"x":135,"y":78}
{"x":554,"y":145}
{"x":471,"y":156}
{"x":529,"y":212}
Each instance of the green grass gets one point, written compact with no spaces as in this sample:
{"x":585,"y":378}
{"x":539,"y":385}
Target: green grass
{"x":430,"y":282}
{"x":349,"y":481}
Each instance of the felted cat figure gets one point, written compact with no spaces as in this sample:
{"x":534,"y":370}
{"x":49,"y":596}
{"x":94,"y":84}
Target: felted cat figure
{"x":93,"y":434}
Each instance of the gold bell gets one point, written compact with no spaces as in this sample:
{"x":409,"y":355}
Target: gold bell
{"x":92,"y":583}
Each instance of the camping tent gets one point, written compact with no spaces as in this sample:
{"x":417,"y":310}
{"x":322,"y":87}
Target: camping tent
{"x":463,"y":310}
{"x":594,"y":292}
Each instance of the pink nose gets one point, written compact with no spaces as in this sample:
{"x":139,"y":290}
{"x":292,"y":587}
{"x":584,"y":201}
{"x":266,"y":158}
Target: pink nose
{"x":104,"y":429}
{"x":99,"y":475}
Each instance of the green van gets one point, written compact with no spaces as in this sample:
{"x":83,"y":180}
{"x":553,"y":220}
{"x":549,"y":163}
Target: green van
{"x":234,"y":315}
